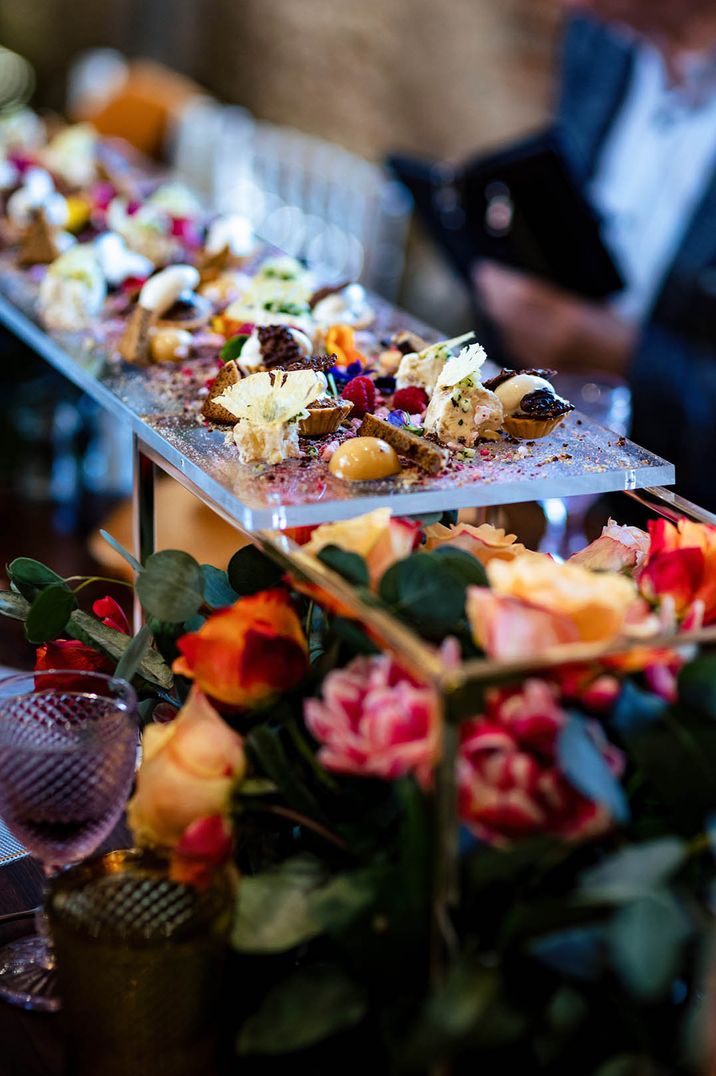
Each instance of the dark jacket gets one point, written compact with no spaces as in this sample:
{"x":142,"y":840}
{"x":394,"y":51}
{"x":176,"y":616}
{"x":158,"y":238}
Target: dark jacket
{"x":673,"y":371}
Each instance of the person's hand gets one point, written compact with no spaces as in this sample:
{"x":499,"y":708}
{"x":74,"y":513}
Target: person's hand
{"x":543,"y":326}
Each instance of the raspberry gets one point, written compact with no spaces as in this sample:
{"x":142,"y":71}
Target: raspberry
{"x":361,"y":393}
{"x":413,"y":399}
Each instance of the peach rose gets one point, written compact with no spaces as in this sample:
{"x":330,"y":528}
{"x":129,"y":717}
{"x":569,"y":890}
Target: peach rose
{"x":616,"y":549}
{"x":535,"y":604}
{"x":485,"y":542}
{"x":379,"y":539}
{"x":245,"y":655}
{"x":189,"y":769}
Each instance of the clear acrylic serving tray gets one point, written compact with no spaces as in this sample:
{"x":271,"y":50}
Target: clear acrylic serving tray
{"x":160,"y":405}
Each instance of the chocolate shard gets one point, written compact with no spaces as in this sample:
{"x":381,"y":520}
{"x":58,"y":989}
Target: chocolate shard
{"x":323,"y":293}
{"x":134,"y":345}
{"x":428,"y":456}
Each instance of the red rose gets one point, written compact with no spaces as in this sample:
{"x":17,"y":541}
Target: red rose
{"x":681,"y":567}
{"x":69,"y":654}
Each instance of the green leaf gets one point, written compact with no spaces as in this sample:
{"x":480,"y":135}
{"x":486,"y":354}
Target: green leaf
{"x":697,"y":685}
{"x":217,"y":590}
{"x":349,"y":565}
{"x":633,"y":872}
{"x":646,"y":939}
{"x":13,"y":605}
{"x":232,"y":348}
{"x":171,"y":586}
{"x":274,"y":910}
{"x":130,"y":660}
{"x":267,"y":746}
{"x":310,"y":1005}
{"x":30,"y":576}
{"x":347,"y":897}
{"x":113,"y":643}
{"x":426,"y":593}
{"x":250,"y":571}
{"x":625,"y":1065}
{"x":585,"y":768}
{"x":350,"y":632}
{"x":466,"y":568}
{"x":119,"y":548}
{"x":49,"y":613}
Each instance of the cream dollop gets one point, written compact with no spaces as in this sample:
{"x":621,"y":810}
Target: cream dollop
{"x":37,"y":192}
{"x":512,"y":392}
{"x":118,"y":262}
{"x":164,"y":288}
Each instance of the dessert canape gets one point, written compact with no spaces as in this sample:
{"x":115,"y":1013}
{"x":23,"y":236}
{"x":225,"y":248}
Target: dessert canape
{"x":364,"y":459}
{"x":118,"y":262}
{"x":228,"y":375}
{"x":461,"y":408}
{"x":146,"y":229}
{"x":73,"y":290}
{"x":268,"y":408}
{"x":158,"y":295}
{"x":422,"y":368}
{"x":271,"y":346}
{"x":38,"y":214}
{"x":72,"y":155}
{"x":229,"y":242}
{"x":532,"y":407}
{"x":346,"y":305}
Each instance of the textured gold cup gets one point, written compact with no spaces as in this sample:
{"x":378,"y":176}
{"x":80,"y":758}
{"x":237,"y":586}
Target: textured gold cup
{"x":140,"y":960}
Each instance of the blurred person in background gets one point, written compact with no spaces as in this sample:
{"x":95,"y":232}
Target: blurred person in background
{"x":637,"y":99}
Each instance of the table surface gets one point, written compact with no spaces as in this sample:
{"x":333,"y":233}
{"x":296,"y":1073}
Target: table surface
{"x":580,"y":457}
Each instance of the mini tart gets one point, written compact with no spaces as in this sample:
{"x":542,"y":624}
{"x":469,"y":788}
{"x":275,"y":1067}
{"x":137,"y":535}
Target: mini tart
{"x":190,"y":313}
{"x":324,"y":416}
{"x":531,"y":429}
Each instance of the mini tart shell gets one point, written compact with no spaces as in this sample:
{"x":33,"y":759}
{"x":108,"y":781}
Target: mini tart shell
{"x":323,"y":420}
{"x":531,"y":429}
{"x":190,"y":320}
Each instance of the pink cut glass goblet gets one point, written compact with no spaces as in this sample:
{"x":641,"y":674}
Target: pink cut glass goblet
{"x":68,"y":745}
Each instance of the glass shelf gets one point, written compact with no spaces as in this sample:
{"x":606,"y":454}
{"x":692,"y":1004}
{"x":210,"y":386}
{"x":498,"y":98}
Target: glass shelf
{"x":580,"y":457}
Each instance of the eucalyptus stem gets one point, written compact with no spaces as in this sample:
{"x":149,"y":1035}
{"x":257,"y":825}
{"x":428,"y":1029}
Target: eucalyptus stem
{"x":302,"y":820}
{"x":87,"y":579}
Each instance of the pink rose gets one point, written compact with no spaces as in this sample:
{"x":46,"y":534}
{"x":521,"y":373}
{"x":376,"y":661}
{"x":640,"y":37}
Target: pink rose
{"x":375,"y":720}
{"x":189,"y":769}
{"x":616,"y":549}
{"x":510,"y":785}
{"x":485,"y":542}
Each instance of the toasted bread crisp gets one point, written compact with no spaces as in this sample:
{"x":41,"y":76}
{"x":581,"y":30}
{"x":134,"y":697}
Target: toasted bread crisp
{"x":430,"y":457}
{"x":215,"y":412}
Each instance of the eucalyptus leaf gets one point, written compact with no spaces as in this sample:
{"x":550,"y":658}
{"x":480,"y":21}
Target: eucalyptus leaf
{"x":31,"y":576}
{"x":646,"y":939}
{"x":274,"y":910}
{"x":124,"y":553}
{"x":49,"y":613}
{"x":697,"y":685}
{"x":218,"y":592}
{"x":131,"y":659}
{"x":350,"y":566}
{"x":633,"y":872}
{"x":345,"y":898}
{"x":13,"y":605}
{"x":171,"y":586}
{"x":250,"y":571}
{"x":585,"y":768}
{"x":426,"y":593}
{"x":310,"y":1005}
{"x":466,"y":568}
{"x":113,"y":643}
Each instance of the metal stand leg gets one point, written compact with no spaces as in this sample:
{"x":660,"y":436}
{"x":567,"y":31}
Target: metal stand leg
{"x":143,"y":518}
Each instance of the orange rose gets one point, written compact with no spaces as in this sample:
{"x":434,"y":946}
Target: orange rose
{"x":485,"y":542}
{"x":616,"y":549}
{"x":341,"y":342}
{"x":681,"y":566}
{"x":246,"y":654}
{"x":189,"y":768}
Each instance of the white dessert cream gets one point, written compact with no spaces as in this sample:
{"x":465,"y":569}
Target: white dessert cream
{"x":73,"y":290}
{"x":37,"y":192}
{"x":461,"y":408}
{"x":118,"y":262}
{"x":230,"y":232}
{"x":348,"y":306}
{"x":512,"y":392}
{"x":163,"y":289}
{"x":148,"y":231}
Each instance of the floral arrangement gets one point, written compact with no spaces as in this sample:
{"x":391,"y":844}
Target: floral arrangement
{"x":512,"y":870}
